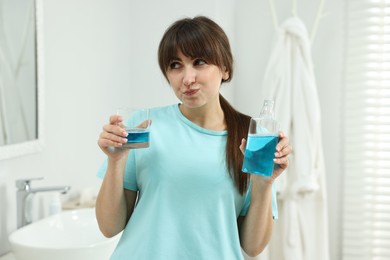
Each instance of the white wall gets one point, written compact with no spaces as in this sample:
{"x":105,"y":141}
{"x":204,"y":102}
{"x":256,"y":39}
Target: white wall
{"x":100,"y":55}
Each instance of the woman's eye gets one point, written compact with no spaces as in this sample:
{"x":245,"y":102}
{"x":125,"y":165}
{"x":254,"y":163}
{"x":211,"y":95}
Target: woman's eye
{"x":199,"y":62}
{"x":174,"y":65}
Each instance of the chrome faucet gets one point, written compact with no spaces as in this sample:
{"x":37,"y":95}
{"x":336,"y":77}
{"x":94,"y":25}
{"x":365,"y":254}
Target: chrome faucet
{"x":24,"y":197}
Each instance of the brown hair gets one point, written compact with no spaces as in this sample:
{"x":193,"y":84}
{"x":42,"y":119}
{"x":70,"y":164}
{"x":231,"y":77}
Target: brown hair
{"x":201,"y":37}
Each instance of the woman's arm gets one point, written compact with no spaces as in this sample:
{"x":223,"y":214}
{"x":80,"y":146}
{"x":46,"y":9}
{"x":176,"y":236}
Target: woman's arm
{"x":256,"y":227}
{"x":114,"y":204}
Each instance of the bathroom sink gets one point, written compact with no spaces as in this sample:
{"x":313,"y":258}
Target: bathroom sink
{"x":68,"y":235}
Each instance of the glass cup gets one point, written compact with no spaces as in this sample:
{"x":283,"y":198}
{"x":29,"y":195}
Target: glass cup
{"x":136,"y":122}
{"x":261,"y":146}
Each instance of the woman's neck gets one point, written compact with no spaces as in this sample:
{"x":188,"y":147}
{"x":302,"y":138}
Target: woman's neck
{"x":211,"y":118}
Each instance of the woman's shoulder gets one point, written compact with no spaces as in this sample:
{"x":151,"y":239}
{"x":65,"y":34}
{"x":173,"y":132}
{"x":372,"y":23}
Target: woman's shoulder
{"x":163,"y":111}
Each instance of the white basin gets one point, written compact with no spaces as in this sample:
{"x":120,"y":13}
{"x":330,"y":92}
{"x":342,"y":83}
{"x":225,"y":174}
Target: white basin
{"x":68,"y":235}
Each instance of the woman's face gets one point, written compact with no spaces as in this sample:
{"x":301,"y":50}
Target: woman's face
{"x":195,"y":82}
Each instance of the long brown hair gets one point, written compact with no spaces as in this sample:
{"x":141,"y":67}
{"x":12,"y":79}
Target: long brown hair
{"x":200,"y":37}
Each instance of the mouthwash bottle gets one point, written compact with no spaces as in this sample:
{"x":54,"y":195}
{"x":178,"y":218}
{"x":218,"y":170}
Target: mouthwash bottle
{"x":261,"y":142}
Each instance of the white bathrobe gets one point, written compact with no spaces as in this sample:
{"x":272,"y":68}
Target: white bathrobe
{"x":301,"y":233}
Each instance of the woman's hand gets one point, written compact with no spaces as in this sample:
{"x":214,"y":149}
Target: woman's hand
{"x":283,"y":149}
{"x":112,"y":137}
{"x":256,"y":227}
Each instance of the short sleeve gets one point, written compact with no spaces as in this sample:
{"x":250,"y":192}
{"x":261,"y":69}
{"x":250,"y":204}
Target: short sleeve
{"x":130,"y":180}
{"x":247,"y":201}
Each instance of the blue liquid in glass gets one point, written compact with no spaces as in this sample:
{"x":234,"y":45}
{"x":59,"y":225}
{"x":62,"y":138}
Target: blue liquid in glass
{"x":137,"y":136}
{"x":259,"y":155}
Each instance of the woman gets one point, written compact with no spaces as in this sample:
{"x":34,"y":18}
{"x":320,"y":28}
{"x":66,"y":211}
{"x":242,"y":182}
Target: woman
{"x":194,"y":202}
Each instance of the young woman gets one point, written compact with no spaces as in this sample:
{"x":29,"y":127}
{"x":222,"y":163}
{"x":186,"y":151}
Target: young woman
{"x":194,"y":202}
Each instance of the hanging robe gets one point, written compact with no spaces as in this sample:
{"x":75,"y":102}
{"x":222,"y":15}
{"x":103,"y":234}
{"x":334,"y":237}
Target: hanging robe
{"x":301,"y":233}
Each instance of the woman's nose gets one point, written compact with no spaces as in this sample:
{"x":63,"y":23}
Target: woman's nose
{"x":189,"y":76}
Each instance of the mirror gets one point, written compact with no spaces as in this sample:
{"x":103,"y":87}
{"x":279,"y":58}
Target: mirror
{"x":21,"y":77}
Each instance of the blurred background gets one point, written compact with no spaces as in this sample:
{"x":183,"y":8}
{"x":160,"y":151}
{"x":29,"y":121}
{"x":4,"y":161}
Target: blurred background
{"x":100,"y":54}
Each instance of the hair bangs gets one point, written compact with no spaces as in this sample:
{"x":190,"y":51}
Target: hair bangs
{"x":194,"y":43}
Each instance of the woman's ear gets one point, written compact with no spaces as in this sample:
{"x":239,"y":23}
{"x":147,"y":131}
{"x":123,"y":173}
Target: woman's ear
{"x":225,"y":74}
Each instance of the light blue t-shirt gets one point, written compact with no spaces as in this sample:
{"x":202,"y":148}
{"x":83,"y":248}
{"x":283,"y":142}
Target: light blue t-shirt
{"x":188,"y":204}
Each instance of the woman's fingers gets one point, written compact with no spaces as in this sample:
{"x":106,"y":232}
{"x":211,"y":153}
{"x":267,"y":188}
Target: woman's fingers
{"x":283,"y":148}
{"x":285,"y":151}
{"x":282,"y":161}
{"x":104,"y":143}
{"x":283,"y":141}
{"x":115,"y":129}
{"x":112,"y":137}
{"x":114,"y":119}
{"x":113,"y":134}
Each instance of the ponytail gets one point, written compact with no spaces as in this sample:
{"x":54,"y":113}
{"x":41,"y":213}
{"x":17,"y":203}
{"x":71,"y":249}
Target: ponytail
{"x":237,"y":128}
